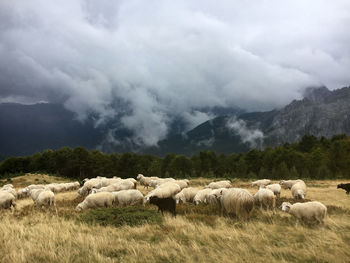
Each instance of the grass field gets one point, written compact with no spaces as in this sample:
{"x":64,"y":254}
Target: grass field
{"x":197,"y":234}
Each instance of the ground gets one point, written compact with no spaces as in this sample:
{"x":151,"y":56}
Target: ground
{"x":197,"y":234}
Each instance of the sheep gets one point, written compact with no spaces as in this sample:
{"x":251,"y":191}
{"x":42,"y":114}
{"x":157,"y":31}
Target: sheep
{"x":287,"y":184}
{"x":46,"y":198}
{"x":200,"y":196}
{"x":182,"y":183}
{"x":145,"y":181}
{"x":186,"y":195}
{"x":275,"y":188}
{"x":299,"y":190}
{"x":9,"y":190}
{"x":164,"y":204}
{"x":35,"y":186}
{"x":309,"y":211}
{"x":219,"y":184}
{"x":7,"y":200}
{"x":238,"y":201}
{"x":262,"y":182}
{"x":123,"y":185}
{"x":212,"y":197}
{"x":102,"y":199}
{"x":35,"y":193}
{"x":106,"y":182}
{"x":266,"y":198}
{"x":23,"y":193}
{"x":86,"y":188}
{"x":128,"y":197}
{"x":346,"y":187}
{"x":165,"y":190}
{"x":157,"y":182}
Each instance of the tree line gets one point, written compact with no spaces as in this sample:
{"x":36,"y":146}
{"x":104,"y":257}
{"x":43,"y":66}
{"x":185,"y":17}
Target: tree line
{"x":311,"y":157}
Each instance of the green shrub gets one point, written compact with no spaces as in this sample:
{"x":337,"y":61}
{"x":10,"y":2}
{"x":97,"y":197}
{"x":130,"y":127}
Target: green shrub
{"x":132,"y":216}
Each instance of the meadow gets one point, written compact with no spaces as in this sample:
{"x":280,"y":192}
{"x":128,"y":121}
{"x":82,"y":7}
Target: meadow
{"x":197,"y":234}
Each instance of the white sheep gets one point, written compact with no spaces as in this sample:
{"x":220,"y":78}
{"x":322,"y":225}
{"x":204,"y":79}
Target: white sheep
{"x":122,"y":185}
{"x":7,"y":200}
{"x":145,"y":181}
{"x":102,"y":199}
{"x":46,"y":198}
{"x":35,"y":193}
{"x":275,"y":188}
{"x":9,"y":190}
{"x":88,"y":185}
{"x":238,"y":201}
{"x":186,"y":195}
{"x":262,"y":182}
{"x":128,"y":197}
{"x":212,"y":197}
{"x":287,"y":184}
{"x":157,"y":182}
{"x":165,"y":190}
{"x":23,"y":193}
{"x":299,"y":190}
{"x":219,"y":184}
{"x":182,"y":183}
{"x":200,"y":196}
{"x":309,"y":211}
{"x":266,"y":198}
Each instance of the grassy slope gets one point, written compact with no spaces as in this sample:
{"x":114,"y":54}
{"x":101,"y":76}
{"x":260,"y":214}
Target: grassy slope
{"x":32,"y":235}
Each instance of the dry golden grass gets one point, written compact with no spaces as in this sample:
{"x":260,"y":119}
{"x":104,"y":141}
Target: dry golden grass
{"x":33,"y":235}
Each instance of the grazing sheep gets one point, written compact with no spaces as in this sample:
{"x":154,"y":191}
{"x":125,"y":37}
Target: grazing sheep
{"x":35,"y":193}
{"x":9,"y":190}
{"x":238,"y":201}
{"x":287,"y":184}
{"x":346,"y":187}
{"x":219,"y":184}
{"x":106,"y":182}
{"x":145,"y":181}
{"x":200,"y":196}
{"x":103,"y":199}
{"x":128,"y":197}
{"x":46,"y":198}
{"x":262,"y":182}
{"x":182,"y":183}
{"x":165,"y":190}
{"x":164,"y":204}
{"x":212,"y":197}
{"x":299,"y":190}
{"x":35,"y":186}
{"x":23,"y":193}
{"x":122,"y":185}
{"x":88,"y":185}
{"x":186,"y":195}
{"x":7,"y":200}
{"x":266,"y":198}
{"x":275,"y":188}
{"x":309,"y":211}
{"x":157,"y":182}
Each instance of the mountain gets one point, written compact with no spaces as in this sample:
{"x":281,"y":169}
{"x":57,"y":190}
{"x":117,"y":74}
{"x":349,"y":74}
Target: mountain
{"x":26,"y":129}
{"x":321,"y":113}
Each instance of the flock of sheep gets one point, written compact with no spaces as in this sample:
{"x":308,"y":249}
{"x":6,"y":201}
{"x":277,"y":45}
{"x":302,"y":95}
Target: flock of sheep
{"x":167,"y":192}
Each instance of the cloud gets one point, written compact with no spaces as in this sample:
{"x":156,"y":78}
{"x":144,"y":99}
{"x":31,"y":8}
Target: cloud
{"x":254,"y":137}
{"x":146,"y":63}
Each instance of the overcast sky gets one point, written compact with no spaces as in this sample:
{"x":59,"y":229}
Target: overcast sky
{"x":148,"y":61}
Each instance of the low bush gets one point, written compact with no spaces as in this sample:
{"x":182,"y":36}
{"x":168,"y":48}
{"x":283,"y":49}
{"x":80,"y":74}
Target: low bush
{"x":132,"y":216}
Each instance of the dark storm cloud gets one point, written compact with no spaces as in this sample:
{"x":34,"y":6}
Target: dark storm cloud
{"x":166,"y":58}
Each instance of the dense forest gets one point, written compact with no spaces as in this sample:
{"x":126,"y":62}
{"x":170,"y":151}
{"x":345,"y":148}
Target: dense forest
{"x":310,"y":158}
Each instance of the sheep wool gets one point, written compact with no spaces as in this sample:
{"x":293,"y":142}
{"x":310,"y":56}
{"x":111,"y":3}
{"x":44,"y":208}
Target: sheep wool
{"x":238,"y":201}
